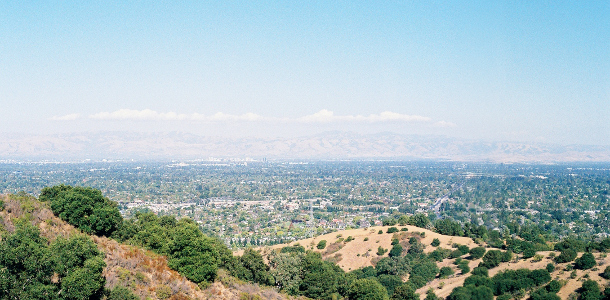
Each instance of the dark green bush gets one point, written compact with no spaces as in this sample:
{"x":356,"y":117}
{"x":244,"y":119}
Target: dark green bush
{"x":85,"y":208}
{"x":606,"y":273}
{"x":392,"y":230}
{"x":396,"y":251}
{"x":445,"y":272}
{"x":566,"y":255}
{"x":435,"y":242}
{"x":477,"y":252}
{"x":367,"y":289}
{"x":321,"y":244}
{"x":584,"y":262}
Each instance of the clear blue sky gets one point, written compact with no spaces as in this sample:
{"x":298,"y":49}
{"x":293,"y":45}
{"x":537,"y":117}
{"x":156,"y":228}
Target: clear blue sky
{"x":495,"y":70}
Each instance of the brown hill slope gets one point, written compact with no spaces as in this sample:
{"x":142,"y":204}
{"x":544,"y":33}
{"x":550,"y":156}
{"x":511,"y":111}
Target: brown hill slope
{"x":142,"y":271}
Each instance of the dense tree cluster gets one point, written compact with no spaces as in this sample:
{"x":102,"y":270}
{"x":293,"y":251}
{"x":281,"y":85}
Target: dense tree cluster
{"x":188,"y":250}
{"x":508,"y":283}
{"x":83,"y":207}
{"x":31,"y":268}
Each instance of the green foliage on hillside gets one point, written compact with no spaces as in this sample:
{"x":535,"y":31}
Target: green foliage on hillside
{"x":367,"y":289}
{"x":508,"y":282}
{"x":566,"y":255}
{"x":321,"y":244}
{"x":83,"y":207}
{"x":188,"y":250}
{"x":586,"y":261}
{"x":31,"y":268}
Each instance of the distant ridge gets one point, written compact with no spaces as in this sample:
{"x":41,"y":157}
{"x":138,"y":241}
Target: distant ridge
{"x":330,"y":145}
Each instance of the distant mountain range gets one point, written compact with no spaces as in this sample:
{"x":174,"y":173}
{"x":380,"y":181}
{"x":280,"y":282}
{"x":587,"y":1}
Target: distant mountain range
{"x":330,"y":145}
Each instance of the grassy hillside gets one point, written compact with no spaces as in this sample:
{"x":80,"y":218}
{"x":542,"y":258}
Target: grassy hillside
{"x":359,"y":253}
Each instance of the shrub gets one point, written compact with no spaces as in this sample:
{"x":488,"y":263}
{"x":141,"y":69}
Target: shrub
{"x":405,"y":292}
{"x":445,"y":272}
{"x":439,"y":254}
{"x":435,"y":242}
{"x":464,"y":249}
{"x":480,"y":271}
{"x":349,"y":239}
{"x":554,"y":286}
{"x":392,"y":230}
{"x":506,"y":256}
{"x":396,"y":251}
{"x":367,"y":289}
{"x":529,"y":253}
{"x":390,"y":282}
{"x":606,"y":273}
{"x":380,"y":231}
{"x":550,"y":267}
{"x":381,"y":251}
{"x":389,"y":222}
{"x":586,"y":261}
{"x":121,"y":293}
{"x":590,"y":290}
{"x":404,"y":229}
{"x":321,"y":244}
{"x":566,"y":255}
{"x":394,"y":241}
{"x":455,"y":254}
{"x":430,"y":295}
{"x":464,"y":268}
{"x":83,"y":207}
{"x":491,"y":259}
{"x":477,"y":252}
{"x":163,"y":292}
{"x":366,"y":238}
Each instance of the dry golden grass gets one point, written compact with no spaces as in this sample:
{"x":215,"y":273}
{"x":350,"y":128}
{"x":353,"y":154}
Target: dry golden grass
{"x":368,"y":249}
{"x":442,"y":287}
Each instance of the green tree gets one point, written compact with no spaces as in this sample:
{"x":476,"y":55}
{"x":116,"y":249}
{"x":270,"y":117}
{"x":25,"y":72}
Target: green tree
{"x":566,"y":255}
{"x":83,"y":207}
{"x":606,"y":273}
{"x":590,"y":291}
{"x":435,"y":242}
{"x":256,"y":269}
{"x":396,"y":251}
{"x":389,"y":282}
{"x":405,"y":292}
{"x":321,"y":279}
{"x":287,"y":270}
{"x":477,"y":252}
{"x":586,"y":261}
{"x":430,"y":295}
{"x":419,"y":220}
{"x":28,"y":264}
{"x":491,"y":259}
{"x":445,"y":272}
{"x":321,"y":244}
{"x":367,"y":289}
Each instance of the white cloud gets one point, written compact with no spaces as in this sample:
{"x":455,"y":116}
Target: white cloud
{"x":325,"y":116}
{"x":322,"y":116}
{"x":70,"y":117}
{"x":151,"y":115}
{"x":443,"y":124}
